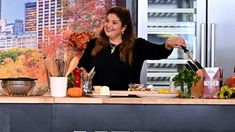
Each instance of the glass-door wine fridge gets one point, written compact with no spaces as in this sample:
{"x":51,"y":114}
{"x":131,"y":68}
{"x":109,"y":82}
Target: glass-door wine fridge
{"x":207,"y":26}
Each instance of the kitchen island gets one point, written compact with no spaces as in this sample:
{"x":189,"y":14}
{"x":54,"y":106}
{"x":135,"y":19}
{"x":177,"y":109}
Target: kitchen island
{"x":48,"y":114}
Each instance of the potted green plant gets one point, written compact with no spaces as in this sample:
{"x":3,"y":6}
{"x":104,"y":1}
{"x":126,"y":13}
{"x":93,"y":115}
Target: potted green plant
{"x":185,"y":79}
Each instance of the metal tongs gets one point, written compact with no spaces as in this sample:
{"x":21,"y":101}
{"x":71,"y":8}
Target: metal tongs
{"x":191,"y":63}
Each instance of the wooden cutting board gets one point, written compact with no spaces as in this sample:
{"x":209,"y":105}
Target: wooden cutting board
{"x":126,"y":93}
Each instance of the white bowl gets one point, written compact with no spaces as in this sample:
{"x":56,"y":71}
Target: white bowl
{"x":97,"y":89}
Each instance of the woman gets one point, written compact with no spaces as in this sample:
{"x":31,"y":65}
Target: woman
{"x":118,"y":55}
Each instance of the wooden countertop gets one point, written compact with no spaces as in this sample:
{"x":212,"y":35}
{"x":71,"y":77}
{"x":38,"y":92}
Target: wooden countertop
{"x":26,"y":99}
{"x":115,"y":100}
{"x":112,"y":100}
{"x":176,"y":101}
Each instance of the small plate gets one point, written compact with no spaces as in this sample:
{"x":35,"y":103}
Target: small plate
{"x":99,"y":96}
{"x":157,"y":95}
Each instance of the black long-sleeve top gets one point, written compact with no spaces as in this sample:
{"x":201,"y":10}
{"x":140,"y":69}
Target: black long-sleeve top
{"x":112,"y":72}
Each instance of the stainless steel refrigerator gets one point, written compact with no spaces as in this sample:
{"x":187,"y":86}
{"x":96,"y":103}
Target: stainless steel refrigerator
{"x":208,"y":26}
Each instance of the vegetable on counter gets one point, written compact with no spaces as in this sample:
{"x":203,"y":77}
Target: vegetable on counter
{"x":74,"y":92}
{"x":186,"y":76}
{"x":226,"y":92}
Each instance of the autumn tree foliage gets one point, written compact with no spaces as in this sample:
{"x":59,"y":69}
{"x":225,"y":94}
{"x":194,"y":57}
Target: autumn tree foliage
{"x":54,"y":44}
{"x":85,"y":15}
{"x":84,"y":19}
{"x":22,"y":62}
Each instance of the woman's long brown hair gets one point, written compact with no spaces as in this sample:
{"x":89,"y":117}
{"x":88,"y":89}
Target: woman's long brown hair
{"x":128,"y":37}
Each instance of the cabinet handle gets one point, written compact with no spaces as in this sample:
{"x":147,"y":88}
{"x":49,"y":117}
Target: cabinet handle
{"x":203,"y":44}
{"x":212,"y":45}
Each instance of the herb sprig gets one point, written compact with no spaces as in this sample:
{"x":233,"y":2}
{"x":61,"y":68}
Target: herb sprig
{"x":186,"y":76}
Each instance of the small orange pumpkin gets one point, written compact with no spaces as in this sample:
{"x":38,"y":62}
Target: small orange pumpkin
{"x":74,"y":92}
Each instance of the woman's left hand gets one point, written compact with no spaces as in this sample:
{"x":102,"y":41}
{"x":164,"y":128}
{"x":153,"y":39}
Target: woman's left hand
{"x":175,"y":42}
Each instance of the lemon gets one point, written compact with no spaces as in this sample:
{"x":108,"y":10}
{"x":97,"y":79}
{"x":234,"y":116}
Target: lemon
{"x":163,"y":91}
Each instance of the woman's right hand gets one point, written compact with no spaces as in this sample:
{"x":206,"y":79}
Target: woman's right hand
{"x":175,"y":42}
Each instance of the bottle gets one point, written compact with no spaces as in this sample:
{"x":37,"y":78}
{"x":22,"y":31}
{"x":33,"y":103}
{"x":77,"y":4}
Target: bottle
{"x":230,"y":81}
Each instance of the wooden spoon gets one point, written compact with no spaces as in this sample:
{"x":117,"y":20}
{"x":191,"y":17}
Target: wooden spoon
{"x":72,"y":65}
{"x":49,"y":66}
{"x":69,"y":57}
